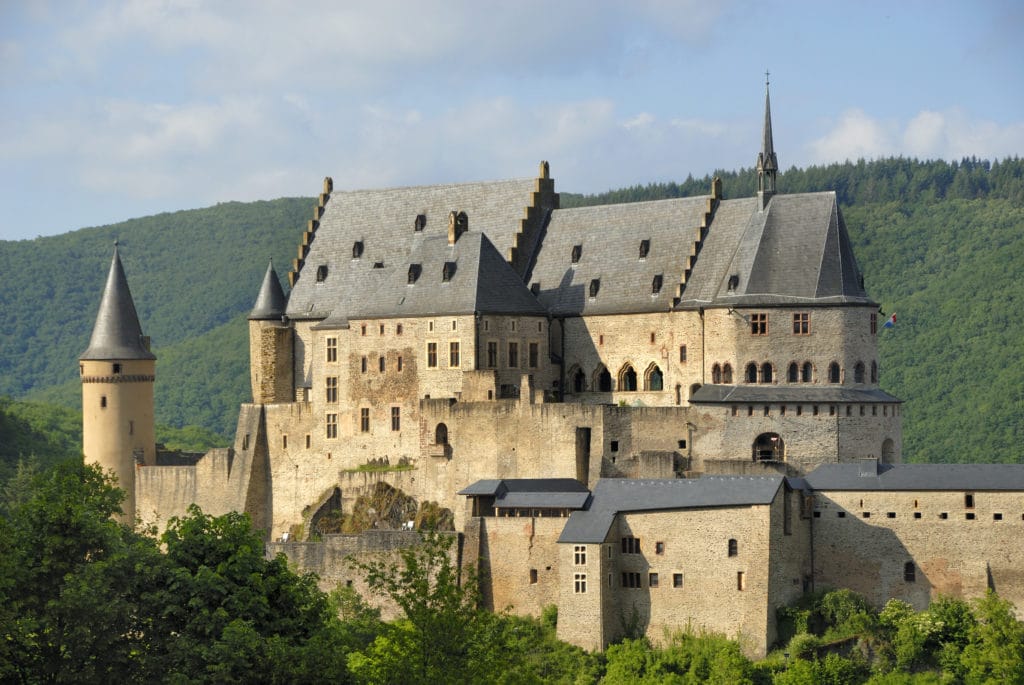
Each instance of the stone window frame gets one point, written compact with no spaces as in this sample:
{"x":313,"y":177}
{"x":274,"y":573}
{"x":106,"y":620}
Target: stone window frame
{"x":801,"y":323}
{"x":579,"y":555}
{"x":909,"y":572}
{"x":492,"y":354}
{"x":533,"y":354}
{"x":579,"y":583}
{"x":396,"y":419}
{"x":331,"y":389}
{"x":332,"y":349}
{"x":454,"y":355}
{"x":331,"y":424}
{"x":382,"y":363}
{"x":512,"y":358}
{"x":654,"y":378}
{"x":732,"y":548}
{"x":858,"y":372}
{"x":874,"y":323}
{"x":677,"y":580}
{"x":431,"y":355}
{"x":652,"y":579}
{"x":627,"y":380}
{"x":759,"y":324}
{"x":364,"y":419}
{"x":630,"y":544}
{"x":835,"y":374}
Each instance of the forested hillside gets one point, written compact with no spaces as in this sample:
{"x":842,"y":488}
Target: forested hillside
{"x":941,"y":245}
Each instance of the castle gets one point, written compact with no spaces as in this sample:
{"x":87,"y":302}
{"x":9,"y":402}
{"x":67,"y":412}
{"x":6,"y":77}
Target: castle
{"x":653,"y":415}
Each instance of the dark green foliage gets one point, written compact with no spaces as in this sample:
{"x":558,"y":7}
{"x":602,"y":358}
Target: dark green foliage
{"x":686,"y":658}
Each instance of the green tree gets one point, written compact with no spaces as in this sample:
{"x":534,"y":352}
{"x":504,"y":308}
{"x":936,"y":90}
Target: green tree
{"x":995,"y":653}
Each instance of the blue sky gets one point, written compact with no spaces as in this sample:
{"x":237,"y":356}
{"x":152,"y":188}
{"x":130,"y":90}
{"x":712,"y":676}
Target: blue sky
{"x":114,"y":110}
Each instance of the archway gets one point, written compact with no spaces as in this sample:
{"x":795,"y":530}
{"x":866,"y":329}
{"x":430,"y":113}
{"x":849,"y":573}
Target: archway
{"x":769,"y":447}
{"x":627,"y":378}
{"x":579,"y":381}
{"x":441,"y":434}
{"x":888,"y":451}
{"x":602,"y":379}
{"x":655,"y":380}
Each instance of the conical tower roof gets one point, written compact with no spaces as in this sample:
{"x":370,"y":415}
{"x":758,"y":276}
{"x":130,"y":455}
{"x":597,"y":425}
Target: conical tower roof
{"x":271,"y":302}
{"x":117,"y":333}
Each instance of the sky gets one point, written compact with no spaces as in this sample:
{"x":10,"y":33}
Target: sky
{"x":116,"y":110}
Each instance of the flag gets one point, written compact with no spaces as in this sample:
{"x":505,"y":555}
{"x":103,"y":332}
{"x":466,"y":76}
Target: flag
{"x":891,"y":322}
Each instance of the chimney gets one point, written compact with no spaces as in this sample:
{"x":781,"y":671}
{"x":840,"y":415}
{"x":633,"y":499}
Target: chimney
{"x":458,"y":223}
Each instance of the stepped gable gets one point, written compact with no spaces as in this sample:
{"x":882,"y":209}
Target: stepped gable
{"x":117,"y":333}
{"x":796,"y":251}
{"x":609,"y":239}
{"x":383,"y":224}
{"x":873,"y":475}
{"x":478,"y":280}
{"x":616,"y":495}
{"x":271,"y":302}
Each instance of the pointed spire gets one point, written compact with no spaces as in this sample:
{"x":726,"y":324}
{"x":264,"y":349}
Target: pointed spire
{"x":117,"y":333}
{"x":270,"y":303}
{"x":767,"y":162}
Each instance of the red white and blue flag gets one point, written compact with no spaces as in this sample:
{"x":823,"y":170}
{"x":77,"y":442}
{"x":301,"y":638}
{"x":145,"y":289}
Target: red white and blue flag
{"x":891,"y":322}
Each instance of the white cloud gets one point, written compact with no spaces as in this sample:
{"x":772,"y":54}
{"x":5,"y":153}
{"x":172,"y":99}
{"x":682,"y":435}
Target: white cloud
{"x":855,"y":136}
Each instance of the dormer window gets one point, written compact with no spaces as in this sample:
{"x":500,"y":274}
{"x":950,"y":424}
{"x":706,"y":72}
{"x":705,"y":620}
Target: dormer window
{"x":448,"y":271}
{"x":357,"y":249}
{"x":321,"y":273}
{"x":420,"y":223}
{"x":117,"y":369}
{"x":577,"y":250}
{"x":535,"y":288}
{"x":595,"y":285}
{"x":734,"y":282}
{"x":656,"y":285}
{"x":378,"y":265}
{"x":414,"y":273}
{"x":645,"y":247}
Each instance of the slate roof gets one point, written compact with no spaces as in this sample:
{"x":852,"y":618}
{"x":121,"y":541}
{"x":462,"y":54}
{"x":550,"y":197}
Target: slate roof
{"x":609,"y":237}
{"x":796,"y":252}
{"x":117,"y":333}
{"x":796,"y":392}
{"x":531,"y":493}
{"x":382,"y":220}
{"x":270,"y":303}
{"x":480,"y":280}
{"x":618,"y":495}
{"x":872,"y":475}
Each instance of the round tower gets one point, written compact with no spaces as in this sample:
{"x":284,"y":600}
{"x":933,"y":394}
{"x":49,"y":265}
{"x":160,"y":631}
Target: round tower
{"x":118,"y":372}
{"x":270,"y":344}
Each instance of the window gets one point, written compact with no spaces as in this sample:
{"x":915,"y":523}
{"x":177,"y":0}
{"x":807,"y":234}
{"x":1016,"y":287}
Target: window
{"x":614,"y":445}
{"x":414,"y":273}
{"x":453,"y":355}
{"x":579,"y":381}
{"x":652,"y":580}
{"x":750,"y":375}
{"x":766,"y":372}
{"x":533,"y":576}
{"x":513,"y":355}
{"x":759,"y":324}
{"x":659,"y":547}
{"x":969,"y":516}
{"x":420,"y":222}
{"x":534,"y":355}
{"x":448,"y":271}
{"x":833,"y":372}
{"x":332,"y":426}
{"x":398,"y":363}
{"x":131,"y":431}
{"x":677,"y":580}
{"x":727,"y":373}
{"x":655,"y":381}
{"x":309,"y":441}
{"x":357,"y":249}
{"x":682,"y":353}
{"x":890,"y":514}
{"x":284,"y":442}
{"x":321,"y":273}
{"x":969,"y":501}
{"x":381,"y":363}
{"x":396,"y":418}
{"x":793,"y":375}
{"x":398,"y":329}
{"x":604,"y":381}
{"x":432,"y":355}
{"x":805,"y":372}
{"x":595,"y":285}
{"x":441,"y":434}
{"x":630,"y":545}
{"x":579,"y":557}
{"x":741,"y":581}
{"x":117,"y":369}
{"x":364,"y":420}
{"x":874,"y":324}
{"x":909,"y":572}
{"x":627,"y":379}
{"x":645,"y":247}
{"x":858,"y":372}
{"x":362,"y":365}
{"x":332,"y":349}
{"x":362,"y":329}
{"x":580,"y":583}
{"x":577,"y":251}
{"x":733,"y":547}
{"x":455,"y":325}
{"x":656,"y":284}
{"x":332,"y":389}
{"x":103,"y":402}
{"x":381,"y":328}
{"x":734,"y":282}
{"x":802,"y":323}
{"x":630,"y":579}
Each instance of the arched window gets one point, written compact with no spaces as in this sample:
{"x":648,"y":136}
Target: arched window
{"x":602,"y":379}
{"x":833,"y":372}
{"x":793,"y":374}
{"x":751,"y":374}
{"x":909,"y":572}
{"x":766,"y":372}
{"x":441,"y":434}
{"x":769,"y":447}
{"x":655,"y":381}
{"x":874,"y":372}
{"x":579,"y":381}
{"x":727,"y":373}
{"x":716,"y":374}
{"x":733,"y":547}
{"x":858,"y":372}
{"x":627,"y":379}
{"x":805,"y":372}
{"x":888,"y":451}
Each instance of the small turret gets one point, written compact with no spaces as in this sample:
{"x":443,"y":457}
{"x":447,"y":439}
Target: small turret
{"x":118,"y":371}
{"x":767,"y":162}
{"x":270,"y":344}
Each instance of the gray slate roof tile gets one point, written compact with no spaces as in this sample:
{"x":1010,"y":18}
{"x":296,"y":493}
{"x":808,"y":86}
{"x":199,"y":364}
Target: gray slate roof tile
{"x":871,"y":475}
{"x":795,"y":393}
{"x":117,"y":333}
